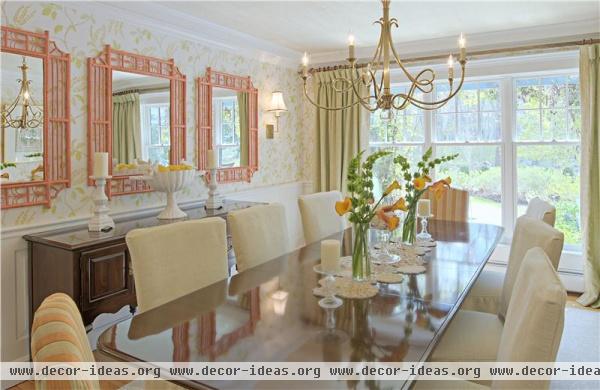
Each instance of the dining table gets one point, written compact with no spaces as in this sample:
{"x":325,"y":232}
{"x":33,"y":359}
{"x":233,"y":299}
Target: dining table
{"x":269,"y":313}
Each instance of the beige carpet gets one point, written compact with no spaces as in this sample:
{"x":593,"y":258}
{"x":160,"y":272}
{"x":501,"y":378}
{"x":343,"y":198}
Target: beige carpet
{"x":580,"y":343}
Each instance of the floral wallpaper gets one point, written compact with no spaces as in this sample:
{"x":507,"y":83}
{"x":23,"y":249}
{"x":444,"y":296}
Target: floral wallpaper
{"x":76,"y":30}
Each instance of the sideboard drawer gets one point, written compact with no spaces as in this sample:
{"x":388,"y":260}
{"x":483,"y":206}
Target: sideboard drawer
{"x":105,"y":278}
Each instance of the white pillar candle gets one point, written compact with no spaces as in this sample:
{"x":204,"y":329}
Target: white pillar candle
{"x":423,"y":208}
{"x":212,"y":159}
{"x":101,"y":164}
{"x":330,"y":255}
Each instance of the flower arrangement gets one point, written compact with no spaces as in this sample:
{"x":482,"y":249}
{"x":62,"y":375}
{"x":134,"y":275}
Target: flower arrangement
{"x":416,"y":184}
{"x":363,"y":209}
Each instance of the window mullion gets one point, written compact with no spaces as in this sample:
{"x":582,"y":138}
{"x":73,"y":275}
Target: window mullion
{"x":509,"y":178}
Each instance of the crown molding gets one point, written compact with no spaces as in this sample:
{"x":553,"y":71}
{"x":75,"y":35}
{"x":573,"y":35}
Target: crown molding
{"x":478,"y":41}
{"x":158,"y":17}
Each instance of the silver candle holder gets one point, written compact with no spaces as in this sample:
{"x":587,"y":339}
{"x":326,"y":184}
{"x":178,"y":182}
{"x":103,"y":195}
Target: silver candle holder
{"x":215,"y":200}
{"x":100,"y":221}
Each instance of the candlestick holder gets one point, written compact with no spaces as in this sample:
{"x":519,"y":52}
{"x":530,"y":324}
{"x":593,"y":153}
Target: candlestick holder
{"x":215,"y":200}
{"x":424,"y":234}
{"x":100,"y":221}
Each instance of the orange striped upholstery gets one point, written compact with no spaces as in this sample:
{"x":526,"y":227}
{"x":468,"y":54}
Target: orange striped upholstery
{"x":453,"y":206}
{"x":58,"y":335}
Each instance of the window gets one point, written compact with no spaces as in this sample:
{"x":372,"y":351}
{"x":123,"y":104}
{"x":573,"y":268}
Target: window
{"x":227,"y":130}
{"x":517,"y":138}
{"x":156,"y":132}
{"x":548,"y":121}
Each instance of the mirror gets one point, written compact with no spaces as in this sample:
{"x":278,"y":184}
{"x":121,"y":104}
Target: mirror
{"x":35,"y":127}
{"x":227,"y":120}
{"x":140,"y":120}
{"x":22,"y":106}
{"x":136,"y":114}
{"x":230,"y":127}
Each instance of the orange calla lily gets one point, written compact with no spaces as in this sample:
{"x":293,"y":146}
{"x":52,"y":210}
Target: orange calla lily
{"x":419,"y":183}
{"x":343,"y":206}
{"x":439,"y":187}
{"x":393,"y":222}
{"x":399,"y":205}
{"x":394,"y":186}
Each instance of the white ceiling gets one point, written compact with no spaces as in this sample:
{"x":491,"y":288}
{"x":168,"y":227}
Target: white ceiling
{"x":323,"y":26}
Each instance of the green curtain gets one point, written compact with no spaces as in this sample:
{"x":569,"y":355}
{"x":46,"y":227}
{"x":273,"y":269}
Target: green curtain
{"x":243,"y":100}
{"x":589,"y":78}
{"x":127,"y":131}
{"x":338,"y":132}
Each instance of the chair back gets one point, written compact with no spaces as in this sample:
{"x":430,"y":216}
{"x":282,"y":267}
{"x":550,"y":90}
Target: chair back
{"x":319,"y":219}
{"x":529,"y":233}
{"x":258,"y":234}
{"x":534,"y":322}
{"x":173,"y":260}
{"x":542,"y":210}
{"x":453,"y":206}
{"x":58,"y":335}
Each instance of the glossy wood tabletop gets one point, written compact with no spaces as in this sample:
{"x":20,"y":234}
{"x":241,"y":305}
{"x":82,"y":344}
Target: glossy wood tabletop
{"x":269,"y":313}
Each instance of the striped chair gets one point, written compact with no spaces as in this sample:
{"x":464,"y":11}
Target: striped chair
{"x":453,"y":206}
{"x":58,"y":335}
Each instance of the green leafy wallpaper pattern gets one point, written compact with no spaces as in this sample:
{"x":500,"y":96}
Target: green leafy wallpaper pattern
{"x":287,"y":158}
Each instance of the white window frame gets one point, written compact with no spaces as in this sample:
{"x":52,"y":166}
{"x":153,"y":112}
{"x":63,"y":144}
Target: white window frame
{"x":508,"y":142}
{"x":146,"y":123}
{"x":217,"y":127}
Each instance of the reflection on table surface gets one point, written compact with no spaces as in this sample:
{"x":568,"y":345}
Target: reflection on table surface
{"x":269,"y":313}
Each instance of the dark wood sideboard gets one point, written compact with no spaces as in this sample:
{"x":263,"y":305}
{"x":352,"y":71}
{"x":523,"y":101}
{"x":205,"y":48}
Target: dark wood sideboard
{"x":93,"y":268}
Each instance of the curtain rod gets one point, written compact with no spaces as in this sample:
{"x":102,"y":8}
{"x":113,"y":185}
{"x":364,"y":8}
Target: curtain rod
{"x":140,"y":90}
{"x":478,"y":53}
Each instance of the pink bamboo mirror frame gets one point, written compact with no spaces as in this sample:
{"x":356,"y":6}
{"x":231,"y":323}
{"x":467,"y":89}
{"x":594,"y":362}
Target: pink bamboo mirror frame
{"x":100,"y":110}
{"x":204,"y":86}
{"x":57,"y":119}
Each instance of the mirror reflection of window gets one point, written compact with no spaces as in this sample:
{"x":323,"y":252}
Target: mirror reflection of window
{"x":21,"y":149}
{"x":226,"y":127}
{"x":141,"y":119}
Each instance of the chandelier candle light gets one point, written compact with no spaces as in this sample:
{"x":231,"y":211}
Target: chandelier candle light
{"x":375,"y":75}
{"x":101,"y":221}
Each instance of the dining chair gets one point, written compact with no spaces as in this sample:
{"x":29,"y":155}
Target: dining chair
{"x":492,"y":290}
{"x":532,"y":330}
{"x":542,"y":210}
{"x":258,"y":234}
{"x":319,"y":219}
{"x":173,"y":260}
{"x":453,"y":206}
{"x":58,"y":335}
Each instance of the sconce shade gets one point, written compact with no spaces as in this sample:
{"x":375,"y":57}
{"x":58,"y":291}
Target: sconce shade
{"x":277,"y":103}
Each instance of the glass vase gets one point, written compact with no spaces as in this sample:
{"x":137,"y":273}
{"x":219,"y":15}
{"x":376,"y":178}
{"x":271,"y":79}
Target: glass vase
{"x":361,"y":263}
{"x":409,"y":227}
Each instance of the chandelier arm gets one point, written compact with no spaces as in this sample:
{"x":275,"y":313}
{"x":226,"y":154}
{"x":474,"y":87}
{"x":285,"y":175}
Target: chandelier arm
{"x":362,"y":102}
{"x":326,"y":108}
{"x":450,"y":95}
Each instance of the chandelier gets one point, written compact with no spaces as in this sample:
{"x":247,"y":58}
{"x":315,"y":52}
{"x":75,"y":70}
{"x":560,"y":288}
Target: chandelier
{"x":30,"y":116}
{"x":375,"y":76}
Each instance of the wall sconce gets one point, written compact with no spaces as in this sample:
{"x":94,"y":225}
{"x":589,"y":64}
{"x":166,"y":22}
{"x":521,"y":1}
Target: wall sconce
{"x":277,"y":106}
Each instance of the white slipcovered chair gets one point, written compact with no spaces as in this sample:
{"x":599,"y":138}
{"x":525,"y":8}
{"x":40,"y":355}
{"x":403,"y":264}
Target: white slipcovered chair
{"x":258,"y":234}
{"x":492,"y":289}
{"x":319,"y":219}
{"x":542,"y":210}
{"x":171,"y":261}
{"x":531,"y":333}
